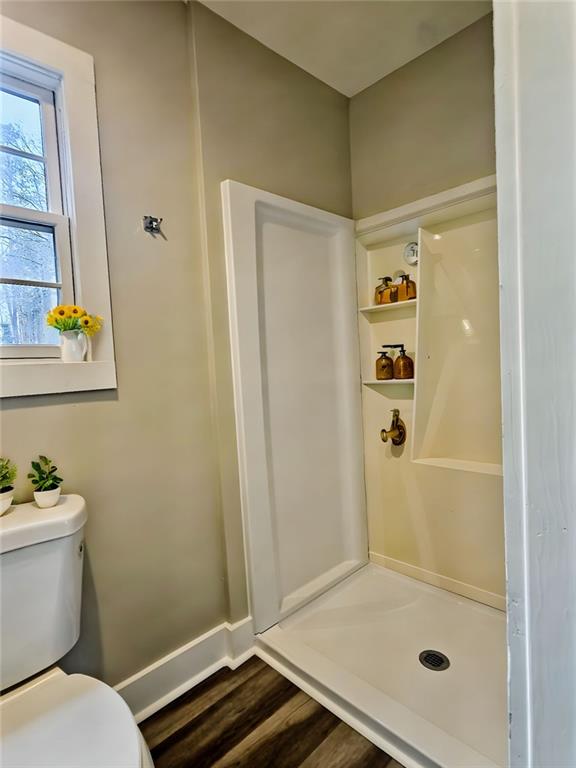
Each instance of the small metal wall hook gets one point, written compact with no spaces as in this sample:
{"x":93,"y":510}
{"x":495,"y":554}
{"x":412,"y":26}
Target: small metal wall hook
{"x":153,"y":225}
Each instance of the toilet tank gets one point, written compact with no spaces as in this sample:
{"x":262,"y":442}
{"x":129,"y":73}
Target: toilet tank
{"x":41,"y":556}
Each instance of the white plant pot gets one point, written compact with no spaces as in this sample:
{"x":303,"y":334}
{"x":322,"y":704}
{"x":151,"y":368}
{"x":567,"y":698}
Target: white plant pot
{"x":46,"y":499}
{"x":6,"y":501}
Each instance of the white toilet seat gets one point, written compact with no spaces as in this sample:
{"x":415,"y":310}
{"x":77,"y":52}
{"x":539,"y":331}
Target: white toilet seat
{"x":69,"y":721}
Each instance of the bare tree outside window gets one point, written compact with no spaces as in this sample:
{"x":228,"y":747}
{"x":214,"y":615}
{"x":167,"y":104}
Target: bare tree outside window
{"x":27,"y":251}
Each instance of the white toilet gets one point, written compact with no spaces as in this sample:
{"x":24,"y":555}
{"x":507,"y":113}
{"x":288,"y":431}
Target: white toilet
{"x":53,"y":720}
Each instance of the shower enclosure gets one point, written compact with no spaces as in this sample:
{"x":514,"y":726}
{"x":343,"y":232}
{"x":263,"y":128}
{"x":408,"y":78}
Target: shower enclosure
{"x":363,"y":557}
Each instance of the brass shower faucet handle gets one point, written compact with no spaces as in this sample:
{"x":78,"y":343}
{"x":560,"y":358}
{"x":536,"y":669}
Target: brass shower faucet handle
{"x":397,"y":431}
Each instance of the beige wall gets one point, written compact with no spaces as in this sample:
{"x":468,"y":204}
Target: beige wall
{"x":266,"y":123}
{"x":144,"y":456}
{"x":426,"y":127}
{"x":156,"y":460}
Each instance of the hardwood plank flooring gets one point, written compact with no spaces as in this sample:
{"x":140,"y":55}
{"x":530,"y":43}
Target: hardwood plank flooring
{"x":253,"y":717}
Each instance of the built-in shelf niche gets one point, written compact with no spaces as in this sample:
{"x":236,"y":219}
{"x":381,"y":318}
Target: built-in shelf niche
{"x":380,"y":308}
{"x":387,"y":382}
{"x":450,"y":330}
{"x":457,"y":393}
{"x":384,"y":323}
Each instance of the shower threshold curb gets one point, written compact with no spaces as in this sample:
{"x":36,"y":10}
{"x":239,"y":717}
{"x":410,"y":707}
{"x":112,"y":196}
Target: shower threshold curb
{"x":386,"y":741}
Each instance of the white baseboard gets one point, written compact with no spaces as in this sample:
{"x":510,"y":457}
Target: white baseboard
{"x":444,"y":582}
{"x":227,"y":645}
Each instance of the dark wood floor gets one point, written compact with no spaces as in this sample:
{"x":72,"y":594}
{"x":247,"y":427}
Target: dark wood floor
{"x":253,"y":717}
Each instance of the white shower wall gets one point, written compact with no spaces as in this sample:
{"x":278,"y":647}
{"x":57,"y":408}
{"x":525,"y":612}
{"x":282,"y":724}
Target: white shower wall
{"x":293,"y":322}
{"x":301,"y":355}
{"x":435,"y":505}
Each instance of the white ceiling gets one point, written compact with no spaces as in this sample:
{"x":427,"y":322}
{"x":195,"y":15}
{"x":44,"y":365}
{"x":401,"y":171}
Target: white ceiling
{"x":350,"y":44}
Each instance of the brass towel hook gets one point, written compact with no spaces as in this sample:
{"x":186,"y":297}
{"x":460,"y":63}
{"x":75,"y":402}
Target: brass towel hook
{"x":397,"y":431}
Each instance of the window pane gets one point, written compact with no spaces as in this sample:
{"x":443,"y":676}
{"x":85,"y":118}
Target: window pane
{"x":23,"y":182}
{"x":27,"y":253}
{"x":20,"y":123}
{"x":23,"y":311}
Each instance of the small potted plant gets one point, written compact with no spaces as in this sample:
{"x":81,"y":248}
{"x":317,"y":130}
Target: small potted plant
{"x":8,"y":473}
{"x":46,"y":482}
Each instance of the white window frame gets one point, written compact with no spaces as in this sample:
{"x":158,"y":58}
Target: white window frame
{"x":54,"y":218}
{"x":38,"y":61}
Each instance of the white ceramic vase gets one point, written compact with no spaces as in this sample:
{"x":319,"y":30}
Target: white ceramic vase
{"x":45,"y":499}
{"x":6,"y":501}
{"x":73,"y":346}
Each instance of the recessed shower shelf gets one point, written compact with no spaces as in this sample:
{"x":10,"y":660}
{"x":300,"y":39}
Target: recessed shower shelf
{"x":463,"y":465}
{"x":378,"y":308}
{"x":386,"y":382}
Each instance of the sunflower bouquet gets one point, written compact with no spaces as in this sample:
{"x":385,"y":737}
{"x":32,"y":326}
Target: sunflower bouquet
{"x":70,"y":317}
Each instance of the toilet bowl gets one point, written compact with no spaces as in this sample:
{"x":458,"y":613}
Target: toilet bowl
{"x":69,"y":721}
{"x":53,"y":719}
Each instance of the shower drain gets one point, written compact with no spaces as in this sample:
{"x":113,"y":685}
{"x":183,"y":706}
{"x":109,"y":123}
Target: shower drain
{"x":434,"y":660}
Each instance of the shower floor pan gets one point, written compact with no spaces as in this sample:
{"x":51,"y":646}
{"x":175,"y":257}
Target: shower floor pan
{"x":356,"y":649}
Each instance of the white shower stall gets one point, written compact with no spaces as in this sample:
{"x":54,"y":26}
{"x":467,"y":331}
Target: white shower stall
{"x":338,"y":605}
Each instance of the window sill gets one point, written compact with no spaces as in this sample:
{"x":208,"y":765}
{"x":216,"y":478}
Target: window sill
{"x":19,"y":378}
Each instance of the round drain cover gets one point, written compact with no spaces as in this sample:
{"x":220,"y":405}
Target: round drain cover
{"x":434,"y":660}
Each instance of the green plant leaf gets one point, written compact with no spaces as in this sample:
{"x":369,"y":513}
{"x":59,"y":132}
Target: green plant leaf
{"x":44,"y":477}
{"x":8,"y":473}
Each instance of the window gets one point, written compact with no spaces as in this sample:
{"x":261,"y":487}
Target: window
{"x":52,"y":235}
{"x":35,"y":257}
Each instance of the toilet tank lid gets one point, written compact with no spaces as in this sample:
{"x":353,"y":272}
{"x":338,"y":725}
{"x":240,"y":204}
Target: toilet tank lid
{"x":27,"y":524}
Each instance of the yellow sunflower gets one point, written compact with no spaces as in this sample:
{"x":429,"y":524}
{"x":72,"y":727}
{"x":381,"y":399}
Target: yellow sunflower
{"x":76,"y":311}
{"x":62,"y":311}
{"x":90,"y":324}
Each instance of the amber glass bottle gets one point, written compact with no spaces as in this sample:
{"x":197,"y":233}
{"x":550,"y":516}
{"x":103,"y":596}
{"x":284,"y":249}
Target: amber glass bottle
{"x":406,"y":289}
{"x":384,"y":367}
{"x":393,"y":295}
{"x":382,"y":291}
{"x":403,"y":365}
